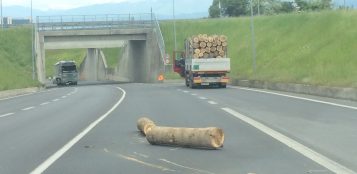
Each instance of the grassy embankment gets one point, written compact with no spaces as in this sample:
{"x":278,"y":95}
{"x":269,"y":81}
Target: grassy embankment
{"x":16,"y":59}
{"x":311,"y":48}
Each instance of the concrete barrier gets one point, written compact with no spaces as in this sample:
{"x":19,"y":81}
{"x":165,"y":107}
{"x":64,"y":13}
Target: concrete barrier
{"x":323,"y":91}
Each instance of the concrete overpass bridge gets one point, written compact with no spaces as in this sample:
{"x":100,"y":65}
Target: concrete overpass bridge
{"x":144,"y":45}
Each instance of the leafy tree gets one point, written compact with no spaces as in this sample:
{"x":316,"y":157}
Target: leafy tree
{"x":229,"y":8}
{"x":214,"y":11}
{"x":313,"y":5}
{"x":287,"y":7}
{"x":236,"y":7}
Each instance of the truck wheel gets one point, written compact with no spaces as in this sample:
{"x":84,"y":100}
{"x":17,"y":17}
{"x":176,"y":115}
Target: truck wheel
{"x":186,"y":82}
{"x":223,"y":85}
{"x":192,"y":85}
{"x":58,"y":81}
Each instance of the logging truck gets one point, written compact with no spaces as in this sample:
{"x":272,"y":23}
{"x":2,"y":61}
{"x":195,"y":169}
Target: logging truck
{"x":203,"y":62}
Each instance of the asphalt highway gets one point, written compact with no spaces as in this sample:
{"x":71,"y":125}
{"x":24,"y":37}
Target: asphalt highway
{"x":92,"y":129}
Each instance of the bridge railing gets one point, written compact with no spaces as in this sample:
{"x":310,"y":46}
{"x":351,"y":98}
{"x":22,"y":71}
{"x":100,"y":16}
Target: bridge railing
{"x":87,"y":22}
{"x":160,"y":39}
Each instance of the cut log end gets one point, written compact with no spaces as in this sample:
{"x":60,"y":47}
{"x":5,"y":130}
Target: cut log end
{"x":217,"y":137}
{"x":144,"y":125}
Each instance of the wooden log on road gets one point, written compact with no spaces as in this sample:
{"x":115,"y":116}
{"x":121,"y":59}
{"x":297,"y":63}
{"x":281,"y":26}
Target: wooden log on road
{"x":210,"y":138}
{"x":144,"y":125}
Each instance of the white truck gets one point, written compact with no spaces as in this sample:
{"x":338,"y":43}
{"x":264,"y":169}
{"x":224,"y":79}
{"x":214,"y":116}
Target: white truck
{"x":201,"y":71}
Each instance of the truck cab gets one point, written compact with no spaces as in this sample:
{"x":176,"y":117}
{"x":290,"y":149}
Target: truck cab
{"x":65,"y":73}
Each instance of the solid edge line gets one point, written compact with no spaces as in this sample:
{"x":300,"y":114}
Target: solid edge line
{"x":307,"y":152}
{"x":16,"y":96}
{"x":30,"y":93}
{"x":49,"y":161}
{"x":296,"y":97}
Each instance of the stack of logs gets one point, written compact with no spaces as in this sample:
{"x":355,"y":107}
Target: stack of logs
{"x":208,"y":46}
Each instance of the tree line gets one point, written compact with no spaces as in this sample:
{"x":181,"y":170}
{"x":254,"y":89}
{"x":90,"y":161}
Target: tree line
{"x":232,"y":8}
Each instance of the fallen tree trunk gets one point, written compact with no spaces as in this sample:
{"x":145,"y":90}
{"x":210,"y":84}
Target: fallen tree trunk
{"x":210,"y":137}
{"x":144,"y":125}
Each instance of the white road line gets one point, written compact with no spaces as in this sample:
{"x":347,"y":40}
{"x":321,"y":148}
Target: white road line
{"x":27,"y":94}
{"x":63,"y":96}
{"x":307,"y":152}
{"x":212,"y":102}
{"x":17,"y":96}
{"x":49,"y":161}
{"x":54,"y":100}
{"x":185,"y":91}
{"x":300,"y":98}
{"x":193,"y":94}
{"x":45,"y":103}
{"x":186,"y":167}
{"x":25,"y":109}
{"x":6,"y":115}
{"x":203,"y":98}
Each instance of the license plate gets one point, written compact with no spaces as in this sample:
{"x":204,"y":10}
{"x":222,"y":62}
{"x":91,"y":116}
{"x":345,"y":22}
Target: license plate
{"x":205,"y":84}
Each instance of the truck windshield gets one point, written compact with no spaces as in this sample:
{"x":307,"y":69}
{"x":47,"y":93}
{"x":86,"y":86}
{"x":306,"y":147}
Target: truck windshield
{"x":71,"y":68}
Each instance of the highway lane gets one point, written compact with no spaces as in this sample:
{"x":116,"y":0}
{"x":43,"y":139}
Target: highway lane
{"x":115,"y":146}
{"x":328,"y":129}
{"x":30,"y":136}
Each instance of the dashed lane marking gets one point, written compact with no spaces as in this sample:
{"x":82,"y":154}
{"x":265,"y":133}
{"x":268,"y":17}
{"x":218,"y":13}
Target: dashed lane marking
{"x":28,"y":108}
{"x":212,"y":102}
{"x":6,"y":115}
{"x":45,"y":103}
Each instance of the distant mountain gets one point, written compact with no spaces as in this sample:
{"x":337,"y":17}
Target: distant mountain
{"x":184,"y":9}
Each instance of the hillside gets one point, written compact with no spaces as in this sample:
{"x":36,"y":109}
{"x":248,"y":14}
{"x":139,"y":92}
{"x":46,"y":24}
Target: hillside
{"x":15,"y":59}
{"x":310,"y":48}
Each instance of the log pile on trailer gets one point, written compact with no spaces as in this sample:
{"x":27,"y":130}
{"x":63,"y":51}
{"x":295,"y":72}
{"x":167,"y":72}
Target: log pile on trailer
{"x":207,"y":46}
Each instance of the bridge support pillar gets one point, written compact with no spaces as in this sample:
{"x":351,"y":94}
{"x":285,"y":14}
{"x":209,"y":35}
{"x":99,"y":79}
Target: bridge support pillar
{"x":90,"y":71}
{"x":40,"y":58}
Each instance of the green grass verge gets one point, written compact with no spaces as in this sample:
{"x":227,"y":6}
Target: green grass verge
{"x":112,"y":56}
{"x":311,"y":48}
{"x":16,"y":59}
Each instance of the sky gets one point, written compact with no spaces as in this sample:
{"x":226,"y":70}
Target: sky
{"x":57,"y":4}
{"x":46,"y":5}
